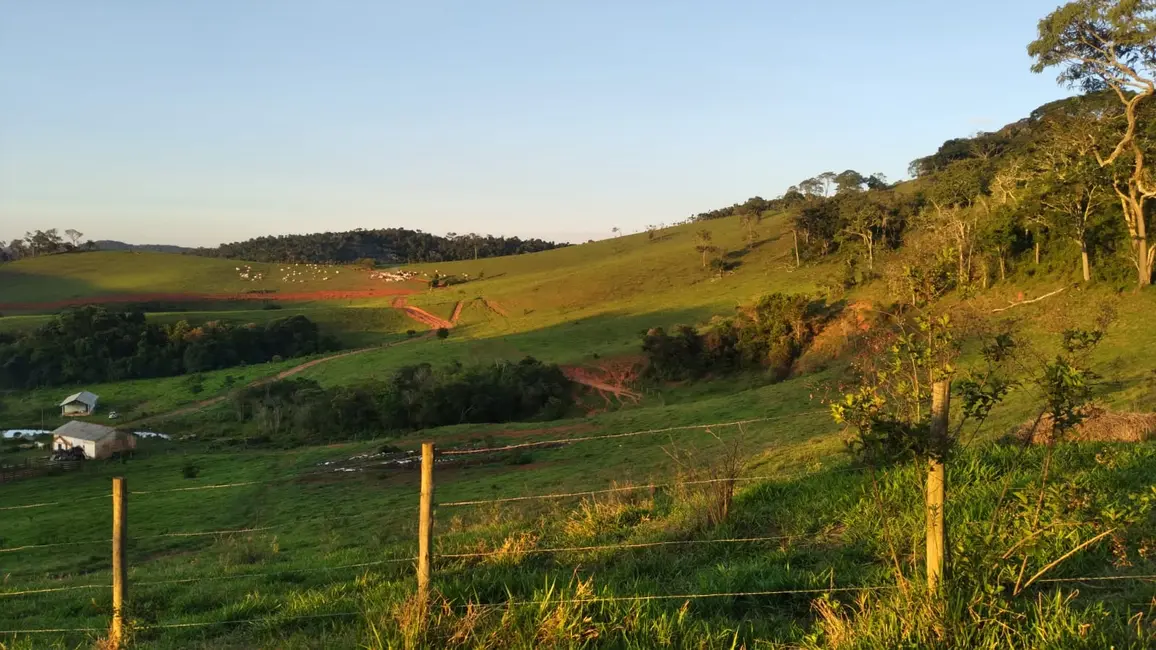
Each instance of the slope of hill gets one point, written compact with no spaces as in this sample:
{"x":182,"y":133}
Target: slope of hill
{"x":148,"y":276}
{"x":113,"y":245}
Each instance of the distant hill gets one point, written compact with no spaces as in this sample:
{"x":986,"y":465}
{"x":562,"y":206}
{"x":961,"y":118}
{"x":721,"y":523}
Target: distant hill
{"x":384,"y":246}
{"x":113,"y":245}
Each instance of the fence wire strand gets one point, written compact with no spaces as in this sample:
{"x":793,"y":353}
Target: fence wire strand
{"x":29,"y":547}
{"x":163,"y":626}
{"x":47,"y":504}
{"x":566,"y":441}
{"x":52,"y":589}
{"x":575,"y":549}
{"x":1099,"y":578}
{"x":240,"y":576}
{"x":629,"y":488}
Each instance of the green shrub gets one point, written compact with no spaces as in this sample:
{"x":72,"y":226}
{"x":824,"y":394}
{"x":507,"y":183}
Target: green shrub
{"x":770,"y":334}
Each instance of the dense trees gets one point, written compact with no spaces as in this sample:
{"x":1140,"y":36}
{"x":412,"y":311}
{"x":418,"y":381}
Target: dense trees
{"x":91,"y":344}
{"x":768,"y":335}
{"x":415,"y":397}
{"x":43,"y":242}
{"x":389,"y":245}
{"x":1111,"y":45}
{"x":1072,"y":179}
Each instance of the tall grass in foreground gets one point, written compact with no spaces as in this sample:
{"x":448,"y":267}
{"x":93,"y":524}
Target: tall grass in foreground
{"x":516,"y":599}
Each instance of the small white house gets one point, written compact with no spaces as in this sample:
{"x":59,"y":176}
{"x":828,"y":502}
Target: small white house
{"x":97,"y":440}
{"x":82,"y":403}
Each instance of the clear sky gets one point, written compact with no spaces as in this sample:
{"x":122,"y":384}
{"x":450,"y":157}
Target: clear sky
{"x":208,"y":121}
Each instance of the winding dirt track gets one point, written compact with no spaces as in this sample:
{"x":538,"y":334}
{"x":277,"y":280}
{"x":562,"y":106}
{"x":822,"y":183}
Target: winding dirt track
{"x":193,"y":408}
{"x":422,"y":316}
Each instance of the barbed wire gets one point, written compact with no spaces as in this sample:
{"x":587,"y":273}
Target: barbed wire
{"x":202,"y":487}
{"x":51,"y":590}
{"x":47,"y":504}
{"x":1099,"y":578}
{"x":161,"y":626}
{"x":641,"y":486}
{"x":54,"y":630}
{"x":575,"y":549}
{"x":28,"y":547}
{"x":566,"y":441}
{"x":277,"y":572}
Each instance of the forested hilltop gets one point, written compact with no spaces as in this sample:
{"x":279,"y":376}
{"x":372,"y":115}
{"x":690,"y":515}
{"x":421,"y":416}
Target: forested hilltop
{"x":1064,"y":190}
{"x":387,"y":245}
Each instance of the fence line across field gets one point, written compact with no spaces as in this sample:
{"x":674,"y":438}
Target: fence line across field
{"x":636,"y":488}
{"x":201,"y":623}
{"x":625,"y":545}
{"x":424,"y":561}
{"x":566,"y":441}
{"x":29,"y":547}
{"x":451,"y":452}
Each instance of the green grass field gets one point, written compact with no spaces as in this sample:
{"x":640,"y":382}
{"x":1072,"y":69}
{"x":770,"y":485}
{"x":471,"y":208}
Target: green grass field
{"x":316,"y":567}
{"x":127,"y":273}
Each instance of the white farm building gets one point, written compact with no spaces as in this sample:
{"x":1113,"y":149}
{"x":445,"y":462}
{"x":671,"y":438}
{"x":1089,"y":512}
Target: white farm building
{"x":97,"y":440}
{"x":82,"y":403}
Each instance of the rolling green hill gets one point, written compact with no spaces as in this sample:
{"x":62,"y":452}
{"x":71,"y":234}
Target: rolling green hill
{"x":98,"y":275}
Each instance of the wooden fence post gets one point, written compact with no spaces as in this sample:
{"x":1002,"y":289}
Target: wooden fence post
{"x":425,"y":521}
{"x":937,"y":487}
{"x":119,"y":569}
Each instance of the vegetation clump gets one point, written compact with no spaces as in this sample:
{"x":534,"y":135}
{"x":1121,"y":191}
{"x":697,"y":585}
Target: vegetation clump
{"x":415,"y":397}
{"x":91,"y":344}
{"x":769,"y":335}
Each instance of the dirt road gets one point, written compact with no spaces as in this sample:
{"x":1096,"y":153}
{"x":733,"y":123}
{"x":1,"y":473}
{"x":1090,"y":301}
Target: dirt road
{"x":422,"y":316}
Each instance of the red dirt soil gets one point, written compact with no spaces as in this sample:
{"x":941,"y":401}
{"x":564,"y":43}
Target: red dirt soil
{"x":206,"y":297}
{"x":420,"y":315}
{"x":610,"y":378}
{"x":495,"y":307}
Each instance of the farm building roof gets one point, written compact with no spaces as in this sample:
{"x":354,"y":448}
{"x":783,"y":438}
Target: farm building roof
{"x":84,"y":397}
{"x":85,"y":431}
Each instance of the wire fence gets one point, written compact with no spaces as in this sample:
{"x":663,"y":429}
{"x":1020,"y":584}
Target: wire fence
{"x":449,"y":554}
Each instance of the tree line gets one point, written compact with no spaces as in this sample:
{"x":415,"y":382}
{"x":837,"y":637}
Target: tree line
{"x":91,"y":344}
{"x":44,"y":242}
{"x":414,"y":397}
{"x":386,"y":246}
{"x":1070,"y":185}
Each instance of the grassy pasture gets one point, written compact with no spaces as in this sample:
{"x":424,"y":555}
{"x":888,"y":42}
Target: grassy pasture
{"x":573,"y":305}
{"x":321,"y":522}
{"x":106,"y":273}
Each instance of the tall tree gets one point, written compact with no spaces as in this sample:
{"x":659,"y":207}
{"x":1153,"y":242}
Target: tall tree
{"x":849,"y":181}
{"x":959,"y":201}
{"x":74,"y":235}
{"x":1068,"y":183}
{"x":748,"y":219}
{"x":1111,"y":44}
{"x":702,"y":244}
{"x":865,"y":218}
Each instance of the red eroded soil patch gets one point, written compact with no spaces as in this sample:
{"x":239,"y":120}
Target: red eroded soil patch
{"x":207,"y":297}
{"x":609,"y":378}
{"x":422,"y":316}
{"x":836,"y":338}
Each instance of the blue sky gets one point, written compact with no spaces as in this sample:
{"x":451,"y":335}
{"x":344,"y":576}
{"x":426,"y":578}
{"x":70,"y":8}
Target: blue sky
{"x":202,"y":122}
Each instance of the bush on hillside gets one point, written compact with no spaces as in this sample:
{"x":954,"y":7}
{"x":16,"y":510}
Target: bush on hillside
{"x":769,"y":334}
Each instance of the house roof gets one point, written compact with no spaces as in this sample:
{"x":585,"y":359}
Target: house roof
{"x":84,"y":397}
{"x":85,"y":431}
